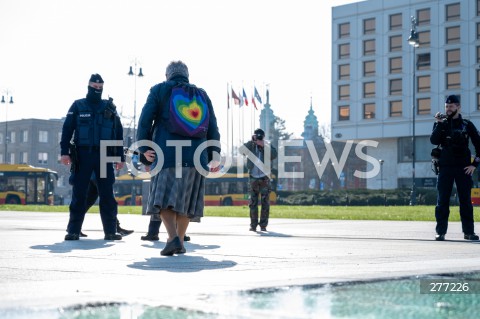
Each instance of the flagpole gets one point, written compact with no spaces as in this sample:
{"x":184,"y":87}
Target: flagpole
{"x":228,"y":122}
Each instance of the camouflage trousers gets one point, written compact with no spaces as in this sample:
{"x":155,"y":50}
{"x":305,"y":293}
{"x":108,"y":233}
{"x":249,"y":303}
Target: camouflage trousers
{"x":259,"y":187}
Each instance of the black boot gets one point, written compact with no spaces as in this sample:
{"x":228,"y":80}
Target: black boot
{"x":121,"y":231}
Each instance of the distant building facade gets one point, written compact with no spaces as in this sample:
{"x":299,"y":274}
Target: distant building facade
{"x":374,"y":83}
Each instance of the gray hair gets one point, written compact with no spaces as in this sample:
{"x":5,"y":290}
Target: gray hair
{"x":176,"y":68}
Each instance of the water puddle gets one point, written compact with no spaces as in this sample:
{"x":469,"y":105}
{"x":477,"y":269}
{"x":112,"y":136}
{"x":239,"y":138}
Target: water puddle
{"x":443,"y":296}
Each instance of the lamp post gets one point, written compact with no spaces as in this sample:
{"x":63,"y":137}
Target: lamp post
{"x":381,"y":173}
{"x":413,"y":41}
{"x":4,"y":101}
{"x":133,"y":72}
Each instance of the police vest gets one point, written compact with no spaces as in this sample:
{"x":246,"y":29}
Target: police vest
{"x":94,"y":124}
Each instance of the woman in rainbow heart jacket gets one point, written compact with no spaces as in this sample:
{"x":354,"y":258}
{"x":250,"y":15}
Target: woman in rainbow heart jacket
{"x":178,"y":118}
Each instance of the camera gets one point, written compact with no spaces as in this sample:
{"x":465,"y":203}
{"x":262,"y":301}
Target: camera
{"x":257,"y":137}
{"x":441,"y":116}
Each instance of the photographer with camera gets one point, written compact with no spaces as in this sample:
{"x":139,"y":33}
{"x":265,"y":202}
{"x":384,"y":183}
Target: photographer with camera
{"x":452,"y":133}
{"x":259,"y":181}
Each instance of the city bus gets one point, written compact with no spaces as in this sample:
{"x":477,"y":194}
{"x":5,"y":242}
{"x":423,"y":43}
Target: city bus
{"x":231,"y":190}
{"x":126,"y":184}
{"x":26,"y":185}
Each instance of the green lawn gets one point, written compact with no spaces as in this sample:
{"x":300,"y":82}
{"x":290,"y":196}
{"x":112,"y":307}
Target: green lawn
{"x":418,"y":213}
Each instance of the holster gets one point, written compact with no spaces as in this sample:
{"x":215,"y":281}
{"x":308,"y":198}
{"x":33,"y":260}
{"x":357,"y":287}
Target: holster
{"x":73,"y":158}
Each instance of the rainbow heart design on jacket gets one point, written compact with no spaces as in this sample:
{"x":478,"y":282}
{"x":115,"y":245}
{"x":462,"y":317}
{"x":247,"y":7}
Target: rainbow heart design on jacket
{"x":190,"y":112}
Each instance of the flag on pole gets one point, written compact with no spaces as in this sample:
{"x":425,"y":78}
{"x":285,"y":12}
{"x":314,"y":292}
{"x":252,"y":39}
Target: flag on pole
{"x":257,"y":95}
{"x":235,"y":98}
{"x":245,"y":98}
{"x":254,"y":104}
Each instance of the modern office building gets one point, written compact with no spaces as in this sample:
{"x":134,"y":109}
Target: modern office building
{"x":382,"y":86}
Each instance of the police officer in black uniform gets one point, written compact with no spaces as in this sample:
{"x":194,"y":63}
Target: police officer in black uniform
{"x":89,"y":121}
{"x":452,"y":133}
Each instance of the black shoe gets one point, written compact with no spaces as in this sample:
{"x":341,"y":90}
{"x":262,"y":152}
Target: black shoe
{"x":263,"y":228}
{"x":124,"y":232}
{"x":150,"y":237}
{"x":186,"y":238}
{"x":72,"y":236}
{"x":471,"y":236}
{"x":83,"y":235}
{"x":253,"y":228}
{"x":440,"y":237}
{"x":172,"y":247}
{"x":113,"y":237}
{"x":182,"y":251}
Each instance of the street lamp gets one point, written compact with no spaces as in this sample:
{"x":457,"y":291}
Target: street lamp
{"x":381,"y":173}
{"x":133,"y":72}
{"x":4,"y":101}
{"x":413,"y":41}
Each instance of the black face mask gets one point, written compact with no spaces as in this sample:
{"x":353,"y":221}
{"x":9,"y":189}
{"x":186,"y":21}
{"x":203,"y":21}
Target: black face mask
{"x":94,"y":95}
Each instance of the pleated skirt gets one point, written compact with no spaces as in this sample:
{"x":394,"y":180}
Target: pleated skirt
{"x":183,"y":195}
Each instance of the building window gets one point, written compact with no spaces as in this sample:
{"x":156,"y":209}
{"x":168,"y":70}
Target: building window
{"x":1,"y":158}
{"x":452,"y":57}
{"x":12,"y":158}
{"x":23,"y":158}
{"x":405,"y":149}
{"x":396,"y":21}
{"x":12,"y":138}
{"x":423,"y":61}
{"x":478,"y":7}
{"x":396,"y":43}
{"x":478,"y":30}
{"x":478,"y":77}
{"x":478,"y":54}
{"x":1,"y":138}
{"x":423,"y":17}
{"x":478,"y":101}
{"x":368,"y":68}
{"x":395,"y":108}
{"x":396,"y":87}
{"x":453,"y":80}
{"x":424,"y":39}
{"x":453,"y":35}
{"x":344,"y":51}
{"x":452,"y":12}
{"x":423,"y":106}
{"x":42,"y":158}
{"x":344,"y":72}
{"x":344,"y":113}
{"x":25,"y":136}
{"x":368,"y":89}
{"x":369,"y":111}
{"x":344,"y":30}
{"x":423,"y":84}
{"x":396,"y":65}
{"x":43,"y":136}
{"x":369,"y":26}
{"x":344,"y":92}
{"x":369,"y":47}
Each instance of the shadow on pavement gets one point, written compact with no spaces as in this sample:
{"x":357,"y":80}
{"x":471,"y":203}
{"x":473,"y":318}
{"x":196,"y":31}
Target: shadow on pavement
{"x":181,"y":263}
{"x":68,"y":246}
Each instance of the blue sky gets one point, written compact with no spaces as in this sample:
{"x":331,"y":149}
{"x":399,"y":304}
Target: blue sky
{"x":49,"y":48}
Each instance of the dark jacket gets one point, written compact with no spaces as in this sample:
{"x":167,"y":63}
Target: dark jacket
{"x":90,"y":123}
{"x":453,"y":136}
{"x":251,"y":146}
{"x":151,"y":126}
